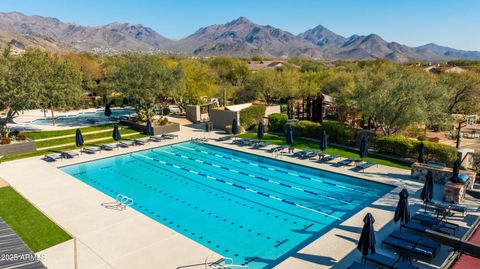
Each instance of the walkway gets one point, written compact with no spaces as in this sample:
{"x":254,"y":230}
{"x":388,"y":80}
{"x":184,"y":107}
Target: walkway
{"x":13,"y":251}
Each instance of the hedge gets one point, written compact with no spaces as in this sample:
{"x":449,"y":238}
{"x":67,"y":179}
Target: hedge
{"x":337,"y":132}
{"x":250,"y":116}
{"x":276,"y":121}
{"x":408,"y":148}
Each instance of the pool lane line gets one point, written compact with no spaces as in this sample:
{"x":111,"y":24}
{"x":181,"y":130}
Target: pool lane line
{"x":258,"y":177}
{"x":239,"y":186}
{"x":360,"y":191}
{"x":363,"y":191}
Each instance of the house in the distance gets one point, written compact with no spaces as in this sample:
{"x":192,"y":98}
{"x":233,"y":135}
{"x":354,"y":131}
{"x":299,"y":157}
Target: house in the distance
{"x":444,"y":69}
{"x":260,"y":65}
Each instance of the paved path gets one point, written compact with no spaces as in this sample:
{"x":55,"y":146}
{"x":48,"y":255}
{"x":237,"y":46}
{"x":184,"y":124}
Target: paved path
{"x":14,"y":252}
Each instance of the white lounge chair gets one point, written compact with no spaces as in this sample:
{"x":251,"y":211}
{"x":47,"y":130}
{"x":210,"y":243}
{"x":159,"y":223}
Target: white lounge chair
{"x":127,"y":143}
{"x":170,"y":136}
{"x":110,"y":146}
{"x":142,"y":141}
{"x":93,"y":149}
{"x":52,"y":157}
{"x":157,"y":138}
{"x":70,"y":154}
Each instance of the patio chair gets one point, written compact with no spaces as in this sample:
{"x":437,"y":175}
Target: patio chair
{"x":142,"y":141}
{"x":446,"y":209}
{"x":363,"y":166}
{"x":431,"y":220}
{"x":345,"y":162}
{"x":420,"y":228}
{"x":157,"y":138}
{"x":388,"y":262}
{"x":357,"y":265}
{"x":92,"y":149}
{"x":329,"y":158}
{"x":279,"y":148}
{"x":409,"y":250}
{"x":52,"y":157}
{"x":241,"y":141}
{"x":309,"y":155}
{"x":170,"y":136}
{"x":127,"y":143}
{"x":225,"y":138}
{"x":110,"y":146}
{"x":261,"y":145}
{"x":301,"y":153}
{"x":70,"y":154}
{"x":416,"y":239}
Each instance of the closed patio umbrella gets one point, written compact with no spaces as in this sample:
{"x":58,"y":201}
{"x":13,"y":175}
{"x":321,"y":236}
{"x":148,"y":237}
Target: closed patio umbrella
{"x":289,"y":135}
{"x":366,"y":244}
{"x":421,"y":153}
{"x":78,"y":138}
{"x":364,"y":147}
{"x":105,"y":101}
{"x":235,"y":126}
{"x":402,"y":213}
{"x":455,"y":171}
{"x":427,"y":192}
{"x":323,"y":141}
{"x":149,"y":129}
{"x":260,"y":130}
{"x":108,"y":111}
{"x":116,"y":133}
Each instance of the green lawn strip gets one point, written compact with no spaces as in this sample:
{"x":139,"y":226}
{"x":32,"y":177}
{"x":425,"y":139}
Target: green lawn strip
{"x":306,"y":144}
{"x":59,"y":149}
{"x":66,"y":140}
{"x":36,"y":230}
{"x":48,"y":134}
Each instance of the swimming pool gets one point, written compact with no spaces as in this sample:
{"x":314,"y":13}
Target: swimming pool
{"x":86,"y":117}
{"x":255,"y":210}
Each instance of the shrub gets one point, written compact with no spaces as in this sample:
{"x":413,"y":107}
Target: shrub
{"x":407,"y":148}
{"x":228,"y":129}
{"x":338,"y":133}
{"x":250,"y":116}
{"x":162,"y":121}
{"x":306,"y":128}
{"x":6,"y":140}
{"x":276,"y":122}
{"x":21,"y":136}
{"x":166,"y":111}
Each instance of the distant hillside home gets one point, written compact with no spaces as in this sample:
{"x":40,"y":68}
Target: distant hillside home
{"x":260,"y":65}
{"x":445,"y":69}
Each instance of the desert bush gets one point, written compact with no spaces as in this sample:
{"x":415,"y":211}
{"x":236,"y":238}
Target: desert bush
{"x":250,"y":116}
{"x":276,"y":121}
{"x":338,"y":133}
{"x":6,"y":140}
{"x":21,"y":136}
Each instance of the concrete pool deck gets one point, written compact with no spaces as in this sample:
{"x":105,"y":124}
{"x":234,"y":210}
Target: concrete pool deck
{"x":129,"y":239}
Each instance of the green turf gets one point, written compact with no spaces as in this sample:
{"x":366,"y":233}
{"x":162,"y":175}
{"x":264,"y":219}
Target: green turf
{"x":48,"y":134}
{"x":307,"y":144}
{"x":38,"y":231}
{"x":66,"y":140}
{"x":59,"y":149}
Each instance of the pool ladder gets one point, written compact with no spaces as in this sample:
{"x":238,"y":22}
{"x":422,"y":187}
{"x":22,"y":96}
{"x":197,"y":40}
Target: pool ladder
{"x":222,"y":263}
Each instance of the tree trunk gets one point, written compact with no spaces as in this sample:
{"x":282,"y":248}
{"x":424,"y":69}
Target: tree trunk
{"x":53,"y":116}
{"x":45,"y":113}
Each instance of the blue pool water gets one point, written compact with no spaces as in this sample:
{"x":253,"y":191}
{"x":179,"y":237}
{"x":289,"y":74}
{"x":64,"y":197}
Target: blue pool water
{"x":253,"y":209}
{"x":86,"y":117}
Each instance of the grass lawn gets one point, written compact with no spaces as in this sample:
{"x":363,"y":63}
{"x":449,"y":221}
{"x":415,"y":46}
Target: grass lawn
{"x":306,"y":144}
{"x":38,"y":231}
{"x":47,"y":151}
{"x":66,"y":140}
{"x":48,"y":134}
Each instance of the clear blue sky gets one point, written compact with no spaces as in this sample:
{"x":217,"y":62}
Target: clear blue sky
{"x":454,"y":23}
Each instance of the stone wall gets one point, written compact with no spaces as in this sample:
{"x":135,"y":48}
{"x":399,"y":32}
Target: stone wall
{"x":222,"y":118}
{"x":440,"y":175}
{"x":157,"y":130}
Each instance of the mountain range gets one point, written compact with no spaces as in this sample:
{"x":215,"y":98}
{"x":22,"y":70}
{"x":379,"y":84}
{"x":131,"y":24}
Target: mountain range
{"x":240,"y":37}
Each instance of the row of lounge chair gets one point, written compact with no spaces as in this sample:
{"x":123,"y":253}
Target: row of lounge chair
{"x":111,"y":146}
{"x":415,"y":241}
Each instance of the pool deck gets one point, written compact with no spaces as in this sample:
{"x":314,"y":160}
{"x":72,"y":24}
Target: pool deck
{"x":128,"y":239}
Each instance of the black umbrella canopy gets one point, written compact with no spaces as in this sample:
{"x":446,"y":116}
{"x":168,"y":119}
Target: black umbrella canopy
{"x":402,"y":213}
{"x":421,"y":153}
{"x":289,"y":135}
{"x":364,"y":147}
{"x":455,"y":171}
{"x":116,"y":133}
{"x":427,"y":192}
{"x":260,"y":130}
{"x":78,"y":138}
{"x":149,"y":129}
{"x":235,"y":126}
{"x":323,"y":141}
{"x":108,"y":111}
{"x":366,"y":244}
